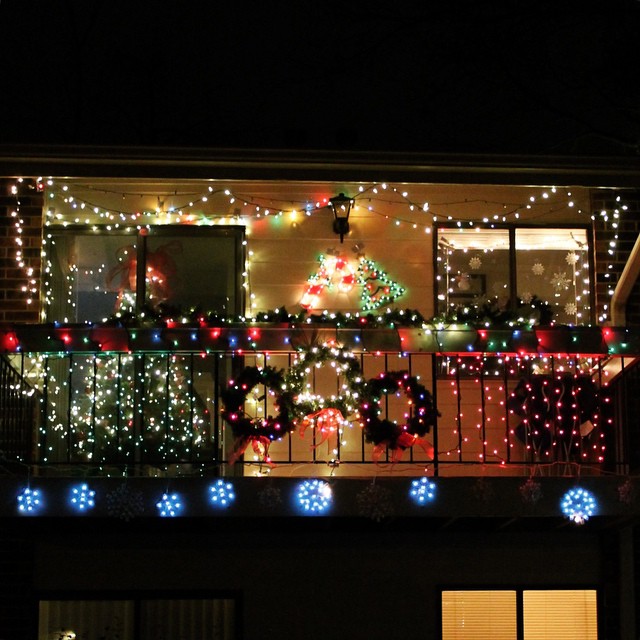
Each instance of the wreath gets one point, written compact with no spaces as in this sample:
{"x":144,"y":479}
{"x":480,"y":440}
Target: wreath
{"x":345,"y":363}
{"x":384,"y":433}
{"x":259,"y":432}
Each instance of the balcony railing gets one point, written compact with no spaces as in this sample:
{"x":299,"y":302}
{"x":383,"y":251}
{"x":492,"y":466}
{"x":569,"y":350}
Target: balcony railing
{"x":110,"y":400}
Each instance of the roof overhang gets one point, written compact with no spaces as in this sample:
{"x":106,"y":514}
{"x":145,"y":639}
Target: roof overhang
{"x":199,"y":163}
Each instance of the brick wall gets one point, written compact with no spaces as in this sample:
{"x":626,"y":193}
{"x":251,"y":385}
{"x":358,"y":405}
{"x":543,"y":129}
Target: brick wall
{"x":22,"y":209}
{"x":609,"y":266}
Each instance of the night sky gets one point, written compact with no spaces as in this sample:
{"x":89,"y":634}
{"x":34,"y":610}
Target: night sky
{"x":477,"y":77}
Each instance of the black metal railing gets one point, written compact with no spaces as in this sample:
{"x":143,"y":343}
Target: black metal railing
{"x":18,"y":402}
{"x":162,"y":412}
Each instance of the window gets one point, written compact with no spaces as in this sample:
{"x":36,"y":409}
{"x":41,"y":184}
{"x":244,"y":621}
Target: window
{"x":533,"y":614}
{"x":145,"y":619}
{"x":92,"y":276}
{"x":514,"y":268}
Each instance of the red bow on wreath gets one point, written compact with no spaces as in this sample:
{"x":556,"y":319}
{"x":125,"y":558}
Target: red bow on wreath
{"x":397,"y":448}
{"x":259,"y":444}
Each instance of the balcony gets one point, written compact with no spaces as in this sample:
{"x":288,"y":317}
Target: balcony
{"x":105,"y":400}
{"x":146,"y":406}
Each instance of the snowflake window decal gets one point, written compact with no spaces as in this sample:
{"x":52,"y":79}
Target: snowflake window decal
{"x":572,"y":258}
{"x":475,"y":263}
{"x":538,"y":269}
{"x":560,"y":281}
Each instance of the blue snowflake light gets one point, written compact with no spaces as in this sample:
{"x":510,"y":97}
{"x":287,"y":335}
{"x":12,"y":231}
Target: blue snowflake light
{"x":578,"y":505}
{"x":82,"y":498}
{"x":221,"y":494}
{"x":169,"y":505}
{"x":314,"y":496}
{"x":422,"y":491}
{"x":29,"y":501}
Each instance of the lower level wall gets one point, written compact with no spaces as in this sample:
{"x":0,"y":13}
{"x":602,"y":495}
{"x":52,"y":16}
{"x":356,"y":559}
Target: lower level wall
{"x":317,"y":578}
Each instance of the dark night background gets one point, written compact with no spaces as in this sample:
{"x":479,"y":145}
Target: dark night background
{"x":475,"y":77}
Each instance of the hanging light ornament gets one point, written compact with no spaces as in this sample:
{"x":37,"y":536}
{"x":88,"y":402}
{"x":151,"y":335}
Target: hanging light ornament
{"x":578,"y":505}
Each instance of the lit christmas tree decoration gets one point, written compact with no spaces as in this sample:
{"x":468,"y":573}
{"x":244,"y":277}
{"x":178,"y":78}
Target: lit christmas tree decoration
{"x":578,"y":505}
{"x":314,"y":496}
{"x":29,"y":501}
{"x":221,"y":494}
{"x":169,"y":505}
{"x":82,"y":498}
{"x":422,"y":491}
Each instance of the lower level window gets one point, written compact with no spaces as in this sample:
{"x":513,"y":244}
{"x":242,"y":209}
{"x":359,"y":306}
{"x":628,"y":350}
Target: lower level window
{"x":144,"y":619}
{"x":519,"y":614}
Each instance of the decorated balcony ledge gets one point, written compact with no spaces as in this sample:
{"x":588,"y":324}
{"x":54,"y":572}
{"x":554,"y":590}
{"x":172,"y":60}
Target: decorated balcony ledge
{"x":237,"y":338}
{"x":590,"y":501}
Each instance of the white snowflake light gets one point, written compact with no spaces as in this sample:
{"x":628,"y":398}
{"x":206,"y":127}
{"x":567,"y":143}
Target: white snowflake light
{"x":29,"y":501}
{"x":578,"y":505}
{"x":570,"y":309}
{"x":169,"y":505}
{"x":526,"y":297}
{"x":221,"y":494}
{"x":422,"y":491}
{"x":314,"y":496}
{"x":538,"y":269}
{"x":475,"y":262}
{"x":82,"y":498}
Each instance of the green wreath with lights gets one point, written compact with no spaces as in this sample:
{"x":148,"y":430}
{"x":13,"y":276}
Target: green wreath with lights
{"x":234,"y":396}
{"x":346,"y":364}
{"x":382,"y":431}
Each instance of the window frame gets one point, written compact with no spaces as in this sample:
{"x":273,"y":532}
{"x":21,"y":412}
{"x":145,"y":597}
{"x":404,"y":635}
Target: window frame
{"x":519,"y":591}
{"x":137,"y":597}
{"x":513,"y":284}
{"x":141,"y":235}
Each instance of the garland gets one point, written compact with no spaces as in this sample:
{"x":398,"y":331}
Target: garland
{"x":384,"y":433}
{"x":259,"y":432}
{"x":486,"y":313}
